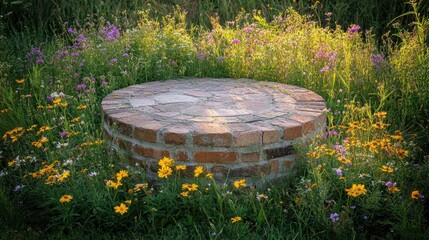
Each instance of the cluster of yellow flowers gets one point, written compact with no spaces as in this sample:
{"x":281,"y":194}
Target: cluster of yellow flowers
{"x":57,"y":102}
{"x":14,"y":134}
{"x":52,"y":173}
{"x":166,"y":165}
{"x":119,"y":176}
{"x":96,"y":142}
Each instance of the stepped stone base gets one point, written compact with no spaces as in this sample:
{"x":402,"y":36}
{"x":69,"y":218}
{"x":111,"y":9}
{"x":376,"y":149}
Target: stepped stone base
{"x":235,"y":128}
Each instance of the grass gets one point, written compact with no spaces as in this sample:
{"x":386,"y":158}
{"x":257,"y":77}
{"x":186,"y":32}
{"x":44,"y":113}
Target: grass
{"x":365,"y":177}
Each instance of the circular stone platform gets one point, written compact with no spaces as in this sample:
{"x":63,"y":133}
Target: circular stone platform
{"x":236,"y":128}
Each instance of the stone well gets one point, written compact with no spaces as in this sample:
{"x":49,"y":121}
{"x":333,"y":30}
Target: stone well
{"x":235,"y":128}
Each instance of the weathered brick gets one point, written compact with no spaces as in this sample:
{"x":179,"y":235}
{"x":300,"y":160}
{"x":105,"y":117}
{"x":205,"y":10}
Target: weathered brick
{"x":247,"y":138}
{"x":215,"y":157}
{"x":278,"y":152}
{"x":181,"y":156}
{"x":291,"y":130}
{"x":176,"y":134}
{"x":270,"y":134}
{"x":274,"y":166}
{"x":306,"y":121}
{"x":250,"y":157}
{"x":147,"y":131}
{"x":124,"y":129}
{"x":288,"y":164}
{"x":251,"y":171}
{"x":213,"y":135}
{"x":151,"y":152}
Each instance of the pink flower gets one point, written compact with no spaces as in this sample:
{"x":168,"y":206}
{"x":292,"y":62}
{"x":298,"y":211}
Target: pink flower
{"x":235,"y":41}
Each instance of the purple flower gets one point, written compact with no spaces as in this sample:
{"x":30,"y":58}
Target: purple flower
{"x":104,"y":83}
{"x":63,"y":133}
{"x":76,"y":75}
{"x":353,"y":29}
{"x":113,"y":61}
{"x":340,"y":149}
{"x":80,"y":86}
{"x":339,"y":172}
{"x":352,"y":207}
{"x":125,"y":55}
{"x":332,"y":132}
{"x":377,"y":60}
{"x":235,"y":41}
{"x":335,"y":217}
{"x":17,"y":188}
{"x":248,"y":29}
{"x":74,"y":54}
{"x":110,"y":32}
{"x":49,"y":98}
{"x":71,"y":30}
{"x":201,"y":56}
{"x":39,"y":60}
{"x":324,"y":69}
{"x":390,"y":184}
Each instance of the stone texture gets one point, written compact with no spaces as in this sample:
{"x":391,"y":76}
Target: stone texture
{"x":233,"y":127}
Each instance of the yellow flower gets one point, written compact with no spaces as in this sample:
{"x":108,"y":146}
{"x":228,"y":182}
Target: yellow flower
{"x":387,"y":169}
{"x":314,"y":185}
{"x":415,"y":194}
{"x":209,"y":175}
{"x":236,"y":219}
{"x":121,"y":209}
{"x":381,"y":115}
{"x":140,"y":186}
{"x":298,"y":200}
{"x":20,"y":81}
{"x":184,"y":194}
{"x":11,"y":163}
{"x":240,"y":183}
{"x":113,"y":184}
{"x":198,"y":170}
{"x":181,"y":167}
{"x":66,"y":198}
{"x":393,"y":189}
{"x":82,"y":107}
{"x":356,"y":190}
{"x":190,"y":187}
{"x":166,"y":162}
{"x":56,"y":101}
{"x":63,"y":176}
{"x":121,"y":174}
{"x":76,"y":119}
{"x":164,"y":172}
{"x":128,"y":202}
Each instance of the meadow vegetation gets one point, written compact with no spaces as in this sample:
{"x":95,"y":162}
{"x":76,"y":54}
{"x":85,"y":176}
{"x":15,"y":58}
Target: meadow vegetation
{"x":365,"y":177}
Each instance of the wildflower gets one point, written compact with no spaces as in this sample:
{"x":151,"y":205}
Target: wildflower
{"x":66,"y":198}
{"x":180,"y":167}
{"x":128,"y":202}
{"x":261,"y":196}
{"x":11,"y":163}
{"x":198,"y":170}
{"x":166,"y":162}
{"x":76,"y":119}
{"x":393,"y":189}
{"x":82,"y":107}
{"x":190,"y":187}
{"x":113,"y":184}
{"x":387,"y":169}
{"x":209,"y":175}
{"x":339,"y":172}
{"x":353,"y":29}
{"x":17,"y":188}
{"x":121,"y":174}
{"x":240,"y":183}
{"x":140,"y":186}
{"x":356,"y":190}
{"x":235,"y":41}
{"x":20,"y":81}
{"x":415,"y":194}
{"x":164,"y":172}
{"x":64,"y":176}
{"x":63,"y":133}
{"x":236,"y":219}
{"x":121,"y":209}
{"x":185,"y":194}
{"x":335,"y":217}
